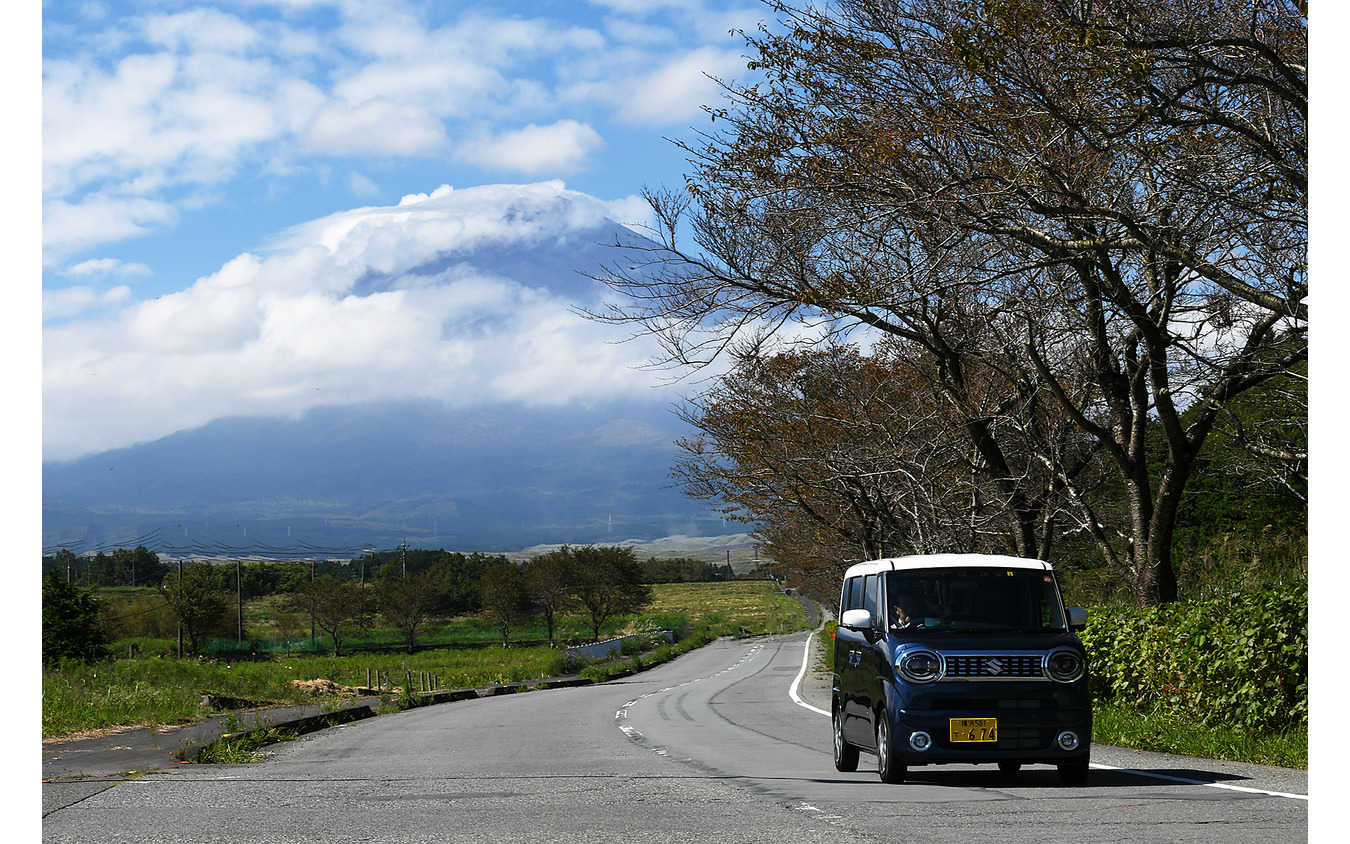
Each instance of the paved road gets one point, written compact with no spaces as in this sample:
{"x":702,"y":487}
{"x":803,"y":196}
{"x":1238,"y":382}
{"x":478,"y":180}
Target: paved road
{"x":712,"y":747}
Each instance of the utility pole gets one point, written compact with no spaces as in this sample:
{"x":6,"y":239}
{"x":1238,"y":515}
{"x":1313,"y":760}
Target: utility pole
{"x":239,"y":595}
{"x":180,"y":623}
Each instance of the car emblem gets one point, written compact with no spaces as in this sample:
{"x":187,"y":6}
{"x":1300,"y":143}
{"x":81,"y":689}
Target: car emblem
{"x":994,"y":666}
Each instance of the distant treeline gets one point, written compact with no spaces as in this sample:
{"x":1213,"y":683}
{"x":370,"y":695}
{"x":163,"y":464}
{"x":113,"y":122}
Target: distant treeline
{"x":410,"y":590}
{"x":259,"y":578}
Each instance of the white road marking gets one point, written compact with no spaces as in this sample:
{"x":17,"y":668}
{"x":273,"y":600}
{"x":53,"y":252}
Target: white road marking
{"x":1202,"y":782}
{"x":797,"y":684}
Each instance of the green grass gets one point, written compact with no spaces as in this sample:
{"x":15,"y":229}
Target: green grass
{"x":1164,"y":733}
{"x":237,"y":749}
{"x":153,"y":690}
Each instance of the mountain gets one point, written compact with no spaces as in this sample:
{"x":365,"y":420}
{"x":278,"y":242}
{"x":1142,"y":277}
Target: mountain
{"x":341,"y":479}
{"x":504,"y":432}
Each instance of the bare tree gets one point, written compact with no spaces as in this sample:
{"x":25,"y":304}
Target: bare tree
{"x":1106,"y":201}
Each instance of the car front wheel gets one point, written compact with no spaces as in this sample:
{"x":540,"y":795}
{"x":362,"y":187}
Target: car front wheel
{"x":889,"y":767}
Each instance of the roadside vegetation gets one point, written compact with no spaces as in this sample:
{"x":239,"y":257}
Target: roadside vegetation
{"x":1220,"y":674}
{"x":154,"y":688}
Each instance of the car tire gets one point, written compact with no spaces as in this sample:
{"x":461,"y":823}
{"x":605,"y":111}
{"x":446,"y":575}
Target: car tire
{"x":1073,"y":773}
{"x":889,"y":767}
{"x":845,"y":754}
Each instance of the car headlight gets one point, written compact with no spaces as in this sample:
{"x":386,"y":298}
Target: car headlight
{"x":919,"y":666}
{"x":1064,"y":665}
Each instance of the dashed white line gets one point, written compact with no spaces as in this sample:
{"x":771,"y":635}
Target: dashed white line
{"x":621,"y":714}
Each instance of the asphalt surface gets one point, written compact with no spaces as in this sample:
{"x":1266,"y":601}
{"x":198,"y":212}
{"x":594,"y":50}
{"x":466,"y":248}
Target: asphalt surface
{"x":75,"y":770}
{"x":138,"y":750}
{"x":118,"y":756}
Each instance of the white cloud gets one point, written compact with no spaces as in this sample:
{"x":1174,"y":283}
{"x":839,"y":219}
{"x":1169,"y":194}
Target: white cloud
{"x":362,"y":185}
{"x":69,"y":301}
{"x":378,"y":303}
{"x":69,"y":227}
{"x":678,"y":90}
{"x":632,"y":211}
{"x":650,"y":88}
{"x":644,"y":7}
{"x":374,"y":127}
{"x":118,"y":138}
{"x":106,"y":267}
{"x":201,"y":30}
{"x":562,"y":147}
{"x":443,"y":84}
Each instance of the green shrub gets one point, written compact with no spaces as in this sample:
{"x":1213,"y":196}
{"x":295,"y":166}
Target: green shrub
{"x":597,"y":672}
{"x":1237,"y":661}
{"x":567,"y":663}
{"x":70,"y":628}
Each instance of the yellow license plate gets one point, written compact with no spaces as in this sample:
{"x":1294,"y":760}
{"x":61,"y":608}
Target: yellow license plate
{"x":974,"y":729}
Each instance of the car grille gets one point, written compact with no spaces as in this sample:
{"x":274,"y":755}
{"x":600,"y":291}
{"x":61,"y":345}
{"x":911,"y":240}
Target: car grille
{"x":987,"y":666}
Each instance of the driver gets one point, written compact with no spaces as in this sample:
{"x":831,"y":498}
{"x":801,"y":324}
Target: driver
{"x":905,"y":610}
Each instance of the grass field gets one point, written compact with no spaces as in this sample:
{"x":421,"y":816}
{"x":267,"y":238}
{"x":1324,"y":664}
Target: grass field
{"x":154,"y":690}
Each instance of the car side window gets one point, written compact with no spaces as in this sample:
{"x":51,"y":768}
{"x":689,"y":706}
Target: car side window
{"x":870,"y":595}
{"x":853,"y":593}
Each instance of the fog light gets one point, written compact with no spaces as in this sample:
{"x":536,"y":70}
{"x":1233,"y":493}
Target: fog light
{"x":920,"y":741}
{"x":1068,"y":740}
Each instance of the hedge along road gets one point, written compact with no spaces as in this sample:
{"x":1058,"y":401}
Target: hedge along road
{"x":728,"y":743}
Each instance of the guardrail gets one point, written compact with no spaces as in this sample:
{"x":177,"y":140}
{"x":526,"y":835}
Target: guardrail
{"x":611,"y":647}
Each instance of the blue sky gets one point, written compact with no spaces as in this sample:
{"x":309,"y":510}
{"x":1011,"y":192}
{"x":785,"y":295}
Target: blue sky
{"x":178,"y":134}
{"x":196,"y":154}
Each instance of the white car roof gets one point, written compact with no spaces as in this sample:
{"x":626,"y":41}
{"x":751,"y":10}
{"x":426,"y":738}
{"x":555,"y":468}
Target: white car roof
{"x":939,"y":561}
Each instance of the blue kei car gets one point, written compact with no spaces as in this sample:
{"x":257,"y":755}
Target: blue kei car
{"x":959,"y":658}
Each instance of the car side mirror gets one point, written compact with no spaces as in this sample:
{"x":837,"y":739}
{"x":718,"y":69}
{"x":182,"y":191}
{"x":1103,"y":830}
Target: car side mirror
{"x":856,"y":620}
{"x":1077,"y":618}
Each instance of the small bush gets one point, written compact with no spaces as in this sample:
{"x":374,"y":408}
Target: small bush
{"x":565,"y":663}
{"x":1238,"y":660}
{"x":597,"y":673}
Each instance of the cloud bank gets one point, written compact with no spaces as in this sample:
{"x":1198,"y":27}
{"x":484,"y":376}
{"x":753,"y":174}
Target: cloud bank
{"x":159,"y":111}
{"x":460,"y":296}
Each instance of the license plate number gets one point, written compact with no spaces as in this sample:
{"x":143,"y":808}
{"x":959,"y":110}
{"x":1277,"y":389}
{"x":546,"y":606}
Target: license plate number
{"x":974,"y":729}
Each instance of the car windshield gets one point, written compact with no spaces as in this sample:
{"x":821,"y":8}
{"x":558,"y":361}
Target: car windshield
{"x":970,"y":599}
